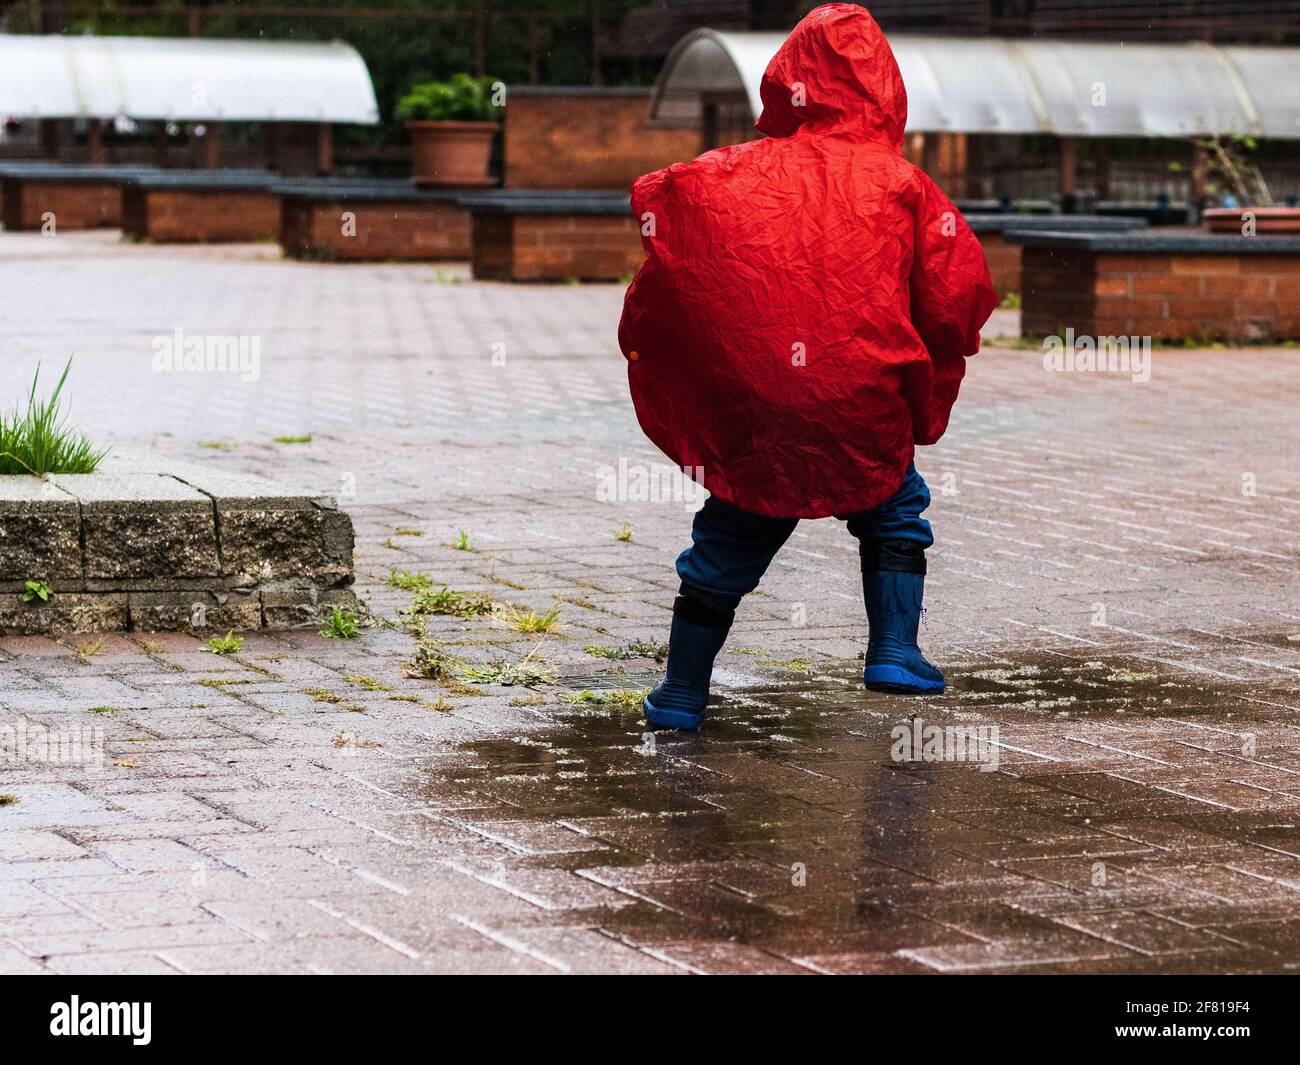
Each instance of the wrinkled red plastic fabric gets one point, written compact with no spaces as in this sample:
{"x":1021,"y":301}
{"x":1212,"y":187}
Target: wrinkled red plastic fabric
{"x":808,"y":300}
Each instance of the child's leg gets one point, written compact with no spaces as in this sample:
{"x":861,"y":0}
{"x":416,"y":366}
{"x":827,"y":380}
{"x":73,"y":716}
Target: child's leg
{"x":892,"y":539}
{"x":730,"y":549}
{"x":895,"y":529}
{"x":729,"y":553}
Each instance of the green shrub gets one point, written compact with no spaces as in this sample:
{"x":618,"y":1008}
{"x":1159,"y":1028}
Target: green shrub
{"x":464,"y":98}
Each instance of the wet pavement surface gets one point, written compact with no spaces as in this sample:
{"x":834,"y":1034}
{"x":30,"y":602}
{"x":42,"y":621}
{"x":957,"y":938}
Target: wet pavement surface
{"x":1110,"y":784}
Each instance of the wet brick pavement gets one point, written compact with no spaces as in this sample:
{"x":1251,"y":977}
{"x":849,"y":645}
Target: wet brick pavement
{"x":1114,"y":589}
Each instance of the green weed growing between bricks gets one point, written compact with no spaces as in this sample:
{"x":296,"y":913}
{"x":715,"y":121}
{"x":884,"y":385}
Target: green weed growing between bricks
{"x":617,"y":698}
{"x":409,"y":582}
{"x":342,"y":625}
{"x":89,"y":650}
{"x":33,"y":590}
{"x":229,"y":644}
{"x":524,"y":674}
{"x":531,"y":621}
{"x":448,"y":601}
{"x":635,"y":649}
{"x":432,"y":661}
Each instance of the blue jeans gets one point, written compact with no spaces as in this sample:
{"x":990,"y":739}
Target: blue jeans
{"x":732,"y":548}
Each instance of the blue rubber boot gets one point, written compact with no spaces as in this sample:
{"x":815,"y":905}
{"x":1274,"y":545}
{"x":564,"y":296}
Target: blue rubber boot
{"x":698,"y":634}
{"x":894,"y":662}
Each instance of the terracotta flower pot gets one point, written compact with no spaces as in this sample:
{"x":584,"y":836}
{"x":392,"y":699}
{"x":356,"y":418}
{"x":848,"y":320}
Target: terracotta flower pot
{"x":1267,"y":219}
{"x":451,"y":153}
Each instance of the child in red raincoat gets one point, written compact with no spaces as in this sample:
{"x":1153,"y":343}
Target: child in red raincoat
{"x":801,"y":322}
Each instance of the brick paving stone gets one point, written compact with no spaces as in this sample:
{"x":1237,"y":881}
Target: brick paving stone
{"x":112,"y":963}
{"x":1112,"y":587}
{"x":15,"y":962}
{"x":105,"y":940}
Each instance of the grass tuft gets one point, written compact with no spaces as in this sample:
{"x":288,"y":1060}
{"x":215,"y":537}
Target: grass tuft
{"x":38,"y":441}
{"x":89,"y":650}
{"x":531,"y":621}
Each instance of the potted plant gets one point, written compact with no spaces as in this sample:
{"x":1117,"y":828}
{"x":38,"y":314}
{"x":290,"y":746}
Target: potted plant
{"x":1234,"y":179}
{"x":452,"y":124}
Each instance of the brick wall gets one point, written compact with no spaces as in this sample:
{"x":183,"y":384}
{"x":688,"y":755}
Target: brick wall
{"x":200,"y":215}
{"x":555,"y":247}
{"x":492,"y":245}
{"x":1056,"y":290}
{"x":395,"y":230}
{"x":75,"y":205}
{"x":1169,"y":296}
{"x":1003,"y":260}
{"x":586,"y":139}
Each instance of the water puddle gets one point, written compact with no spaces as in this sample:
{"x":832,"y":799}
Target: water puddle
{"x":789,"y":823}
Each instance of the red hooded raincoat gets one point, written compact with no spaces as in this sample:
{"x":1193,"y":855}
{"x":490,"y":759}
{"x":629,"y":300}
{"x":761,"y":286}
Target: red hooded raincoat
{"x":808,"y":300}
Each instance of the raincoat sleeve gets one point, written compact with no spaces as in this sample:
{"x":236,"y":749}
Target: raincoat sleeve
{"x":952,"y":297}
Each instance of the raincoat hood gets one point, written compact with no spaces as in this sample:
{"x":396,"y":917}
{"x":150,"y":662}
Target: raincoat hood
{"x":835,"y":69}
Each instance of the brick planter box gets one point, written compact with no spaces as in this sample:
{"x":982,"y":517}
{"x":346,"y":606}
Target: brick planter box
{"x":1004,"y":258}
{"x":1170,"y":286}
{"x":79,"y":197}
{"x":201,"y":206}
{"x":364,"y":221}
{"x":554,"y":236}
{"x":147,"y":549}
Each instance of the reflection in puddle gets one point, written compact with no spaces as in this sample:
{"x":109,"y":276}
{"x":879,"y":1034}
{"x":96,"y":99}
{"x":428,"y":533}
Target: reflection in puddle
{"x":786,"y":825}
